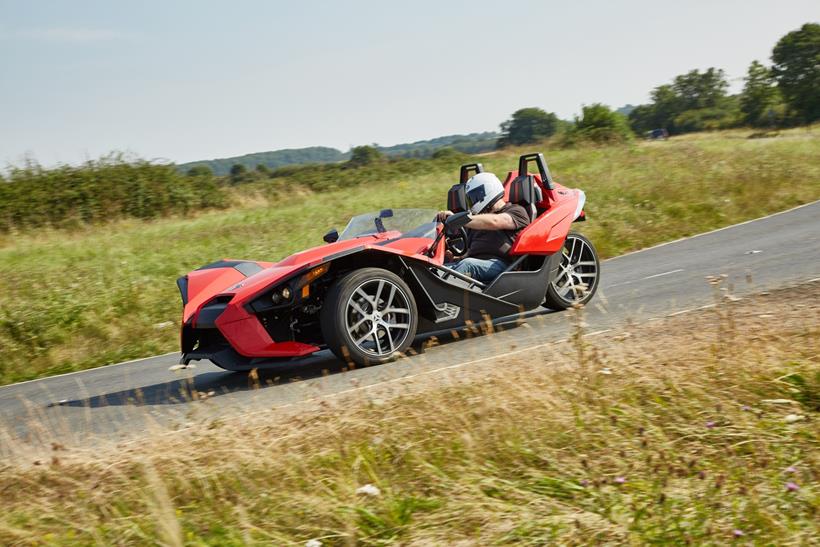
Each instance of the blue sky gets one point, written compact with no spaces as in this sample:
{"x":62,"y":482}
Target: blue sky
{"x":186,"y":80}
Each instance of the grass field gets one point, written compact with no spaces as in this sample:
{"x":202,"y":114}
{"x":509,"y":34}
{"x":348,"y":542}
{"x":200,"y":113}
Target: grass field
{"x":101,"y":294}
{"x":698,"y":429}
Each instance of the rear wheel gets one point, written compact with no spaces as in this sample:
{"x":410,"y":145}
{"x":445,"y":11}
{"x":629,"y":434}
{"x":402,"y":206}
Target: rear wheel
{"x":577,"y":277}
{"x":369,"y":317}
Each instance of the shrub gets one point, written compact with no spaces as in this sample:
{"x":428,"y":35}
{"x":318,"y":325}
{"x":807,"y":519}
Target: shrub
{"x":598,"y":124}
{"x":528,"y":125}
{"x":448,"y":154}
{"x":101,"y":190}
{"x":365,"y":155}
{"x":707,"y":119}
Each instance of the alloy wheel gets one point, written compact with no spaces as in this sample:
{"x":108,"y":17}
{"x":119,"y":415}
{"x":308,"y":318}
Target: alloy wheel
{"x":377,"y":317}
{"x":578,"y":271}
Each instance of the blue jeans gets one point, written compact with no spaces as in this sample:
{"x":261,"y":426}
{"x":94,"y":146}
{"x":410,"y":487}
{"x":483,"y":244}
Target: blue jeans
{"x":480,"y":269}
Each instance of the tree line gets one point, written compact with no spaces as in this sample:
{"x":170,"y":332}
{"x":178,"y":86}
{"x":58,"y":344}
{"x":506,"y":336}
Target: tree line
{"x":785,"y":93}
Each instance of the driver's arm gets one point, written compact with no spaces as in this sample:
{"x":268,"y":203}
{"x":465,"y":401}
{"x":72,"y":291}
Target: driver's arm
{"x":487,"y":221}
{"x":491,"y":221}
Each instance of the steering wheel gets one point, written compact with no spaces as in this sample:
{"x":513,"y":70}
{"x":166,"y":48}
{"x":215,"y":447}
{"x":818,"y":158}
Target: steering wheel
{"x":456,"y":243}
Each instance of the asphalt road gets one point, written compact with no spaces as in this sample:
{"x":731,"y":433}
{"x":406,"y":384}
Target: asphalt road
{"x":125,"y":400}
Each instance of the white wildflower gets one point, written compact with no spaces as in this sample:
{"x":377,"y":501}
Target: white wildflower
{"x":313,"y":543}
{"x":369,"y":490}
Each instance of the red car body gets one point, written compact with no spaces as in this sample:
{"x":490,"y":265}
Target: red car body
{"x":228,"y":316}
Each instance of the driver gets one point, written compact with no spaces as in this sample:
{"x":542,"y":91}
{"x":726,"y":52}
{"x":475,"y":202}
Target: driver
{"x":493,"y":226}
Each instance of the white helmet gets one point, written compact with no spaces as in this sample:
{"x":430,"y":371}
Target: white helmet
{"x":482,"y":191}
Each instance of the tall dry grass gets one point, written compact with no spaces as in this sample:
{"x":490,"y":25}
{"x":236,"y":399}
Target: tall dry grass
{"x":701,"y":428}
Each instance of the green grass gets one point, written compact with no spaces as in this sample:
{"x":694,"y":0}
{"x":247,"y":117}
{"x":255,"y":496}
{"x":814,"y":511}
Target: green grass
{"x":691,"y":430}
{"x":71,"y":300}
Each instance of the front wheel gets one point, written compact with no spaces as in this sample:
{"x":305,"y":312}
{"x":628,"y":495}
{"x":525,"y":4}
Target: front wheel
{"x":369,"y":317}
{"x":576,"y":281}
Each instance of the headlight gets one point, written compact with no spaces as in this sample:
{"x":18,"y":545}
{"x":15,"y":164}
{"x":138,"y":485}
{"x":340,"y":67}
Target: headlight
{"x":284,"y":295}
{"x":280,"y":295}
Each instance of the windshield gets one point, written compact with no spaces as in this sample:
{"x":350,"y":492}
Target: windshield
{"x":410,"y":222}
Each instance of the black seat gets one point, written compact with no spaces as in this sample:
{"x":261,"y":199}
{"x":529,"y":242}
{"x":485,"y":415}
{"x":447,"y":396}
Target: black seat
{"x":525,"y":192}
{"x":457,"y":199}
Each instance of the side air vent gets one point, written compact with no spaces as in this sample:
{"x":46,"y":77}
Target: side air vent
{"x":209,"y":313}
{"x":446,"y":312}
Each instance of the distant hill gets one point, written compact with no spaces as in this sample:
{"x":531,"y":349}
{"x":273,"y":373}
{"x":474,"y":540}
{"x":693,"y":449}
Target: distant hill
{"x":271,"y":160}
{"x":472,"y":143}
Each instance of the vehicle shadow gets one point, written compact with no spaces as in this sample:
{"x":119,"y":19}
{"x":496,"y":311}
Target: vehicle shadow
{"x":213,"y":384}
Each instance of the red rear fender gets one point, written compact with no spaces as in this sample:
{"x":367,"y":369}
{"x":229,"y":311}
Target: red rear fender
{"x":547,"y":234}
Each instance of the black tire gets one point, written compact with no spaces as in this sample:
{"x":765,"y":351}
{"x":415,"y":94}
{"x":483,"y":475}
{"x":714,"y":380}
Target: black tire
{"x":586,"y":270}
{"x":339,"y":317}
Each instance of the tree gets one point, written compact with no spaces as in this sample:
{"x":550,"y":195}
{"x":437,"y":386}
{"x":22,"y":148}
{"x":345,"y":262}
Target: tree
{"x":238,"y":172}
{"x":796,"y":58}
{"x":692,"y":102}
{"x":528,"y":125}
{"x":643,"y":119}
{"x":660,"y":113}
{"x":364,"y":155}
{"x":760,"y":100}
{"x":200,"y":171}
{"x":600,"y":124}
{"x":697,"y":89}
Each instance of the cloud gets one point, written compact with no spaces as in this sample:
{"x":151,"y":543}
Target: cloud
{"x":66,"y":35}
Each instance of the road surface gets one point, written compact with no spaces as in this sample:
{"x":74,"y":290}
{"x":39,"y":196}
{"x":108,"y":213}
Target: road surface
{"x":123,"y":401}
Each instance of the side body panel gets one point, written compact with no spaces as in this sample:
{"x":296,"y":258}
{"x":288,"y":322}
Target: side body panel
{"x":524,"y":287}
{"x":444,"y":305}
